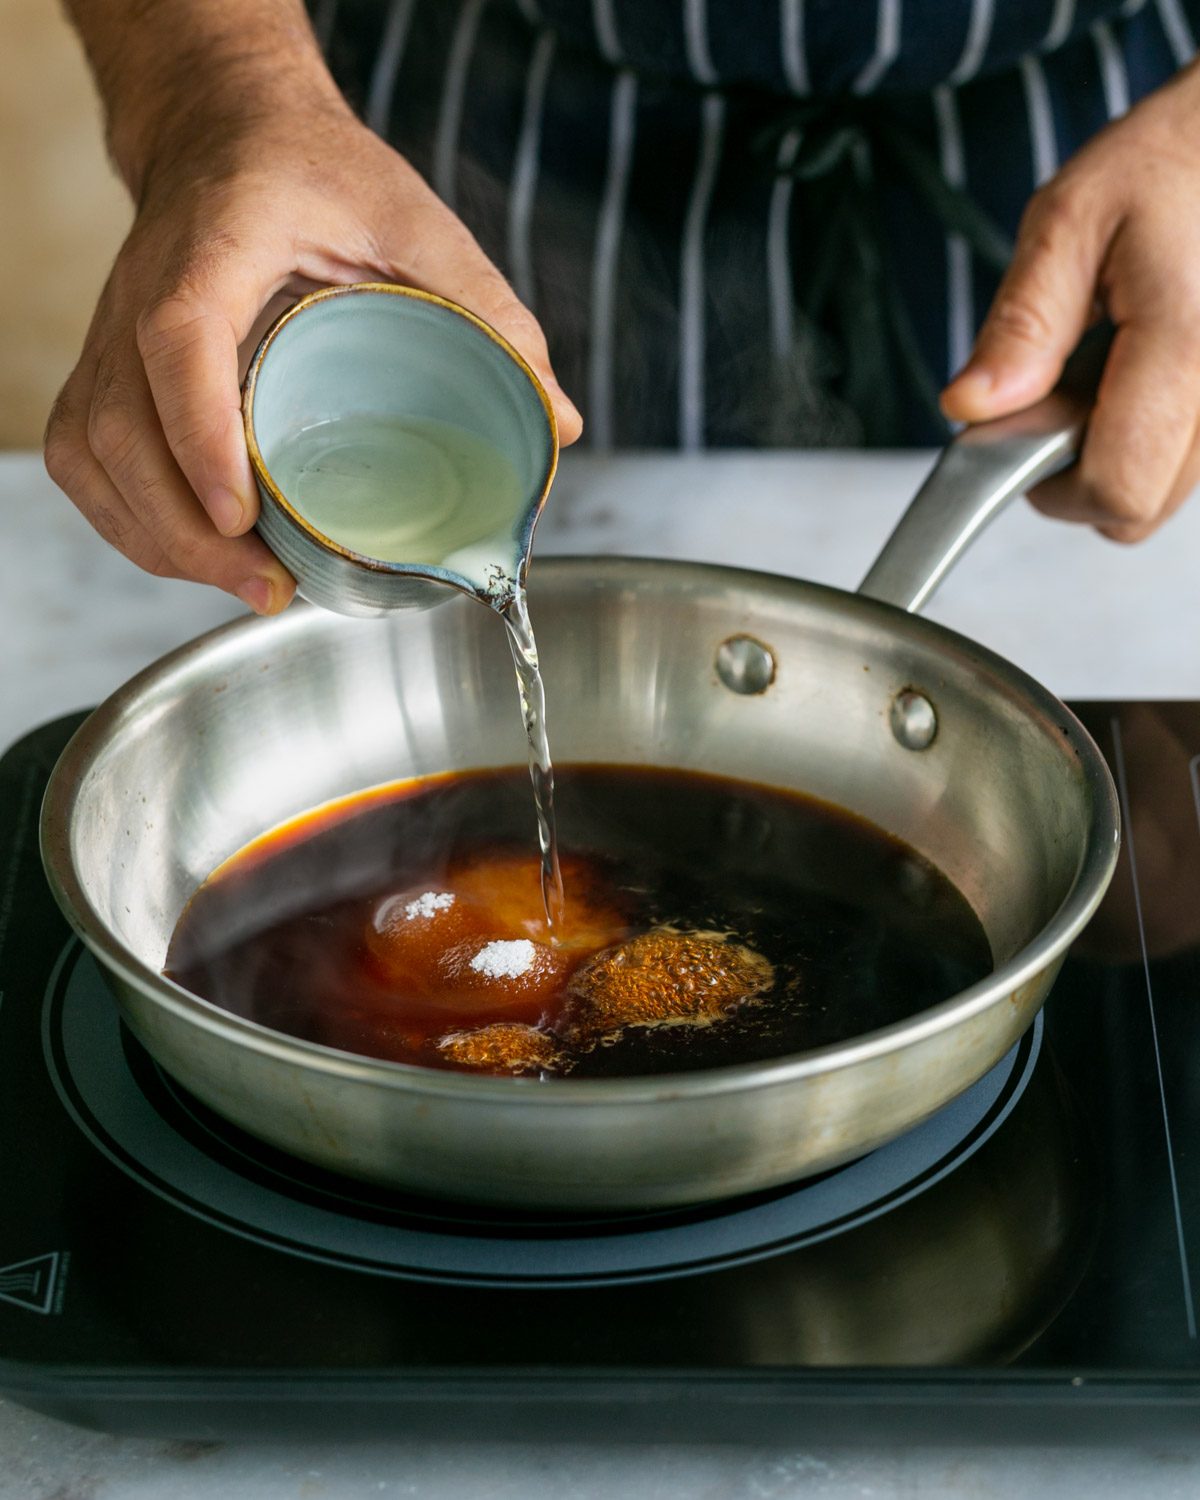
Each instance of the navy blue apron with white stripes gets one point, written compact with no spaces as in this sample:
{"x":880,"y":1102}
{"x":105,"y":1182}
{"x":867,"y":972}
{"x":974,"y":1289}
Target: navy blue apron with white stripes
{"x":749,"y":222}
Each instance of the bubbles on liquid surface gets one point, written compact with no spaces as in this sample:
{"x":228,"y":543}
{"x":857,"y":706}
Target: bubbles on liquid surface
{"x":681,"y":948}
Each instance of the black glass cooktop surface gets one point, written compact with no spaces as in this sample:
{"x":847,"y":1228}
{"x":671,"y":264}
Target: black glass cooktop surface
{"x":1022,"y":1263}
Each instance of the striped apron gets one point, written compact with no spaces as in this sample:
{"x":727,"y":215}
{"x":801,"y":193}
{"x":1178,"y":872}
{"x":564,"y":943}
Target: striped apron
{"x":749,"y":222}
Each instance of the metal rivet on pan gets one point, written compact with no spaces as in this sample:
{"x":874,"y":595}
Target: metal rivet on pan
{"x":745,"y":665}
{"x":913,"y":720}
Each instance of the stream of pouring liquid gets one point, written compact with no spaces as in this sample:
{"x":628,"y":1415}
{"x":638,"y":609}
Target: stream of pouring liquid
{"x":419,"y":491}
{"x":541,"y":772}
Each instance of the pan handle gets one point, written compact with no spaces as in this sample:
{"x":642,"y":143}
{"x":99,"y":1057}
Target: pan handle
{"x":979,"y":473}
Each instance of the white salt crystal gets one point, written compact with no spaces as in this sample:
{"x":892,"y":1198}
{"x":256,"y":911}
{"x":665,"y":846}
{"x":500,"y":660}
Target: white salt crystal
{"x":426,"y":904}
{"x":501,"y":960}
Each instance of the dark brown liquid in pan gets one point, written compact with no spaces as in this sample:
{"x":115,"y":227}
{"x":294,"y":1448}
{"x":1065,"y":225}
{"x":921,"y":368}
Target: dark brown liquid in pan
{"x":306,"y":931}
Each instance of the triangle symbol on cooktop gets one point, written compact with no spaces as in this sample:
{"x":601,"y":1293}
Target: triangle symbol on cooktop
{"x":30,"y":1283}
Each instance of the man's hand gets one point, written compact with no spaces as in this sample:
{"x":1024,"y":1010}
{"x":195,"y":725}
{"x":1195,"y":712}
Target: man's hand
{"x":1118,"y":228}
{"x":246,"y":199}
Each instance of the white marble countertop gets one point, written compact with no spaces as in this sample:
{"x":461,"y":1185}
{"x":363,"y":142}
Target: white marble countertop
{"x":1083,"y":615}
{"x":1087,"y":618}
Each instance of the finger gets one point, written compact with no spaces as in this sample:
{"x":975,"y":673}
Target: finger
{"x":125,"y":436}
{"x":72,"y":466}
{"x":448,"y":261}
{"x":188,"y":341}
{"x":190,"y":355}
{"x":100,"y":503}
{"x":1141,"y":436}
{"x":103,"y":507}
{"x":1185,"y":487}
{"x":1040,"y":312}
{"x":1064,"y":498}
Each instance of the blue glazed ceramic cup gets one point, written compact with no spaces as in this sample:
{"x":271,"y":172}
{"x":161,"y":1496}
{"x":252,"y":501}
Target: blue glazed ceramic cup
{"x":403,"y":361}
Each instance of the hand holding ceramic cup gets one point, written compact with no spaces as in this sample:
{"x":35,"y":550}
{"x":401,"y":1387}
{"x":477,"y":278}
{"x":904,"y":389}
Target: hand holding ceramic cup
{"x":402,"y":450}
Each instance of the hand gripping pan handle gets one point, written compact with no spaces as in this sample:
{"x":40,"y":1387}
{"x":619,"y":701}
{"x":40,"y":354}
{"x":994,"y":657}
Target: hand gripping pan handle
{"x":979,"y":472}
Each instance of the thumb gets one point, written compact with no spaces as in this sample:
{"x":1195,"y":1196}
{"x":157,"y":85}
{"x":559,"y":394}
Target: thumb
{"x":1040,"y":312}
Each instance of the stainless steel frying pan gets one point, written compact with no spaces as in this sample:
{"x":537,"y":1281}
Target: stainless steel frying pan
{"x":849,"y":697}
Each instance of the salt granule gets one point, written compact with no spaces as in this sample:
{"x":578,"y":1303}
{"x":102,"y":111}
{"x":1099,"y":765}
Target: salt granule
{"x":504,"y":960}
{"x":425,"y":905}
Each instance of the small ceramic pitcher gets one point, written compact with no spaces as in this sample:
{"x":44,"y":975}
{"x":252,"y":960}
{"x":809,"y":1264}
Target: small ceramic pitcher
{"x":402,"y":450}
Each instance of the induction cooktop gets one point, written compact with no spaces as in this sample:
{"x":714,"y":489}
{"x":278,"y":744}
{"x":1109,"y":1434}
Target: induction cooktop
{"x":1022,"y":1263}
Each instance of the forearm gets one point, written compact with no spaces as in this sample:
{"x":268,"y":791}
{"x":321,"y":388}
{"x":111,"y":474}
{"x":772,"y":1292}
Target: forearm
{"x":172,"y":73}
